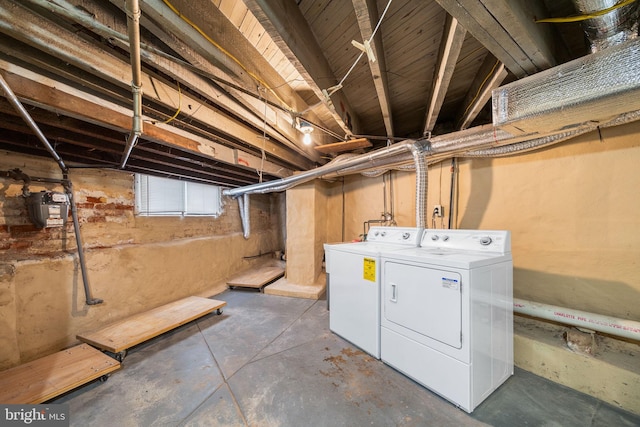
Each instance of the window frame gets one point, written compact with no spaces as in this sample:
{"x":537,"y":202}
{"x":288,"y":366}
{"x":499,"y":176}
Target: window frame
{"x":151,"y":197}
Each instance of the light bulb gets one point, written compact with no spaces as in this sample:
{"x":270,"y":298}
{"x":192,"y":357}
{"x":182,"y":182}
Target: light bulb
{"x":306,"y":139}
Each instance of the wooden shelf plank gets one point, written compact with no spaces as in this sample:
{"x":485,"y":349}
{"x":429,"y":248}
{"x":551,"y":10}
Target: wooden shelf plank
{"x":134,"y":330}
{"x":257,"y":278}
{"x":338,"y":147}
{"x":50,"y":376}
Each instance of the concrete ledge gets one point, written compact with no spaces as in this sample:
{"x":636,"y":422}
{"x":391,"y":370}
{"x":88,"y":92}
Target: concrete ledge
{"x":284,"y":288}
{"x":612,"y":374}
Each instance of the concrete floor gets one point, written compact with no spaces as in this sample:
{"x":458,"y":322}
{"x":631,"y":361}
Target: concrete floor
{"x":272,"y":361}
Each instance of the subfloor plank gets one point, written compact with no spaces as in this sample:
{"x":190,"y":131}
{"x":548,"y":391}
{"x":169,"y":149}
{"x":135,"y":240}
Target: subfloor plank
{"x":50,"y":376}
{"x":134,"y":330}
{"x":257,"y":278}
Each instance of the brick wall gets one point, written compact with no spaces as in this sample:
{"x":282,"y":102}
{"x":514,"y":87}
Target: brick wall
{"x":134,"y":263}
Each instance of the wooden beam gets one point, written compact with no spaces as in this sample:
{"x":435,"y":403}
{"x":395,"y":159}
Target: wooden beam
{"x":84,"y":134}
{"x":367,"y":15}
{"x":286,"y":25}
{"x":217,"y":27}
{"x":508,"y":31}
{"x":36,"y":31}
{"x":450,"y":46}
{"x":490,"y":75}
{"x":339,"y":147}
{"x":274,"y":121}
{"x":50,"y":95}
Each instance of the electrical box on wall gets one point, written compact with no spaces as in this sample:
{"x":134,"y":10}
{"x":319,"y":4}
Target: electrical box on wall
{"x":48,"y":209}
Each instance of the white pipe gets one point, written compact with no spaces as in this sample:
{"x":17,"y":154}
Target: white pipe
{"x":597,"y":322}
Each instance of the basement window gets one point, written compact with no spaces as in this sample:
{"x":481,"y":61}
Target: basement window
{"x":157,"y":196}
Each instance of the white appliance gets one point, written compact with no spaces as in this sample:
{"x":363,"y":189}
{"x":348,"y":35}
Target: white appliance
{"x":353,"y":271}
{"x":447,"y":313}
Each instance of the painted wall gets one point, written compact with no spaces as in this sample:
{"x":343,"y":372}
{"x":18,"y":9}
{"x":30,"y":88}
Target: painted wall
{"x":574,"y":214}
{"x":134,"y":263}
{"x":573,"y":210}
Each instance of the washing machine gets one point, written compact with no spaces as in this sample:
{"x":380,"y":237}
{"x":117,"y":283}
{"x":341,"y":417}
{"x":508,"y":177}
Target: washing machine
{"x":353,"y":271}
{"x":447,"y":313}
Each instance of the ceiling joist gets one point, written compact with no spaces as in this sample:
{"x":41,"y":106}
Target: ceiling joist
{"x":508,"y":30}
{"x":450,"y":46}
{"x":287,"y":26}
{"x":367,"y":14}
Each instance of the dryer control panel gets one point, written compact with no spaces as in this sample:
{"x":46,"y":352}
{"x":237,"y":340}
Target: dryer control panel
{"x":468,"y":240}
{"x":404,"y":235}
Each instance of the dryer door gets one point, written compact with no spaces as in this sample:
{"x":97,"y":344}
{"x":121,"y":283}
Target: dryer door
{"x":425,"y":300}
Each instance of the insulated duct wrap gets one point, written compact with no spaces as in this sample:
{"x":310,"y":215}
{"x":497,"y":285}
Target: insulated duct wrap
{"x":355,"y":164}
{"x":594,"y":88}
{"x":537,"y":143}
{"x":243,"y":206}
{"x":610,"y":29}
{"x":422,"y":186}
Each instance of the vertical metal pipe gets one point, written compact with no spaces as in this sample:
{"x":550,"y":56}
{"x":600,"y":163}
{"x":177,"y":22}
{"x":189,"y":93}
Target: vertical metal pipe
{"x":67,"y":184}
{"x":452,"y":192}
{"x":76,"y":227}
{"x":133,"y":25}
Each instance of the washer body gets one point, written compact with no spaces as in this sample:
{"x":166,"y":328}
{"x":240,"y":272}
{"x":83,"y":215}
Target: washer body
{"x":353,"y":271}
{"x":447,"y":313}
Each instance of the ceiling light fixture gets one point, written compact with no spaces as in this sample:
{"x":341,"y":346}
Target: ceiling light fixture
{"x":306,"y":128}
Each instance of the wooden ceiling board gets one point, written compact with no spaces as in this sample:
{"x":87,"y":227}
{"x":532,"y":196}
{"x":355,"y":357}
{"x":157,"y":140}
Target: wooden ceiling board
{"x":284,"y":41}
{"x":471,"y":57}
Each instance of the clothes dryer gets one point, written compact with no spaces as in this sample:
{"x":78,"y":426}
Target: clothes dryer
{"x":447,"y":313}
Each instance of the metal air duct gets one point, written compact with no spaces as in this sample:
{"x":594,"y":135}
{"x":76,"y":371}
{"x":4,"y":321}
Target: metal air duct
{"x":612,"y":28}
{"x":594,"y":88}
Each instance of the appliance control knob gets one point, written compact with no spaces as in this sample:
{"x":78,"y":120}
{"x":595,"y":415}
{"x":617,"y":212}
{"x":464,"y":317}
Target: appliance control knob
{"x":384,"y":233}
{"x":406,"y":235}
{"x":435,"y":237}
{"x":376,"y":233}
{"x":486,"y":240}
{"x":445,"y":238}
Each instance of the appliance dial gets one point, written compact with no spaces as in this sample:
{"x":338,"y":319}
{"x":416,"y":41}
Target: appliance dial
{"x":406,"y":235}
{"x":445,"y":238}
{"x":434,"y":237}
{"x":376,"y":233}
{"x":486,"y":240}
{"x":384,"y":233}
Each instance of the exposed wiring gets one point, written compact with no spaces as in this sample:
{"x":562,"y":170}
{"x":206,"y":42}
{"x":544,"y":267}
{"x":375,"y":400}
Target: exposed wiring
{"x":375,"y":30}
{"x":226,"y":52}
{"x":481,"y":87}
{"x":264,"y":139}
{"x":330,"y":91}
{"x":179,"y":105}
{"x":579,"y":18}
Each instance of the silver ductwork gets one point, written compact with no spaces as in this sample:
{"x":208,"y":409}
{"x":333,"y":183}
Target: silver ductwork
{"x":534,"y":112}
{"x":422,"y":182}
{"x":356,"y":164}
{"x":389,"y":156}
{"x":243,"y":206}
{"x":594,"y":88}
{"x":612,"y":28}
